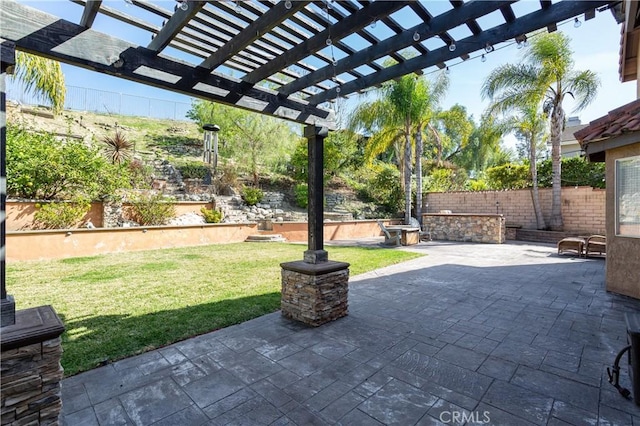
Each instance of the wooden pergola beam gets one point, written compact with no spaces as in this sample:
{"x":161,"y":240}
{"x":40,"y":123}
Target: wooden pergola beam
{"x":42,"y":34}
{"x":175,"y":24}
{"x":437,"y":25}
{"x":89,"y":13}
{"x":274,"y":16}
{"x":531,"y":22}
{"x":341,"y":29}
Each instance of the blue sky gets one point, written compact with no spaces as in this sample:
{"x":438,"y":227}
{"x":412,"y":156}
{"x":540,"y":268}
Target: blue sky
{"x":596,"y":44}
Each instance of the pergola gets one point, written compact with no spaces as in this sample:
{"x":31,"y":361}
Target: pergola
{"x":288,"y":59}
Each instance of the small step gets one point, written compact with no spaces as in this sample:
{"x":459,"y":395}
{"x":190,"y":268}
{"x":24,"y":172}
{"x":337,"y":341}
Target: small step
{"x":270,"y":238}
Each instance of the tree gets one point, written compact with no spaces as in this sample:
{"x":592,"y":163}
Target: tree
{"x":530,"y":128}
{"x":546,"y":77}
{"x":403,"y":110}
{"x":43,"y":77}
{"x":254,"y":140}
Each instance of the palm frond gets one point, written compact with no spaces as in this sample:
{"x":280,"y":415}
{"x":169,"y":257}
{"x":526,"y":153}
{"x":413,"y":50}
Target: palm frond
{"x":42,"y":77}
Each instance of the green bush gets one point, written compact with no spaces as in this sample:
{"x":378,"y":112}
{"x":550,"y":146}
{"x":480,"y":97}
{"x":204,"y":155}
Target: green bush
{"x":301,"y":194}
{"x":211,"y":215}
{"x":380,"y":184}
{"x":576,"y":171}
{"x":140,"y":175}
{"x":152,"y":209}
{"x":477,"y":185}
{"x":40,"y":166}
{"x":193,"y":170}
{"x":60,"y":215}
{"x":252,"y":196}
{"x":509,"y":176}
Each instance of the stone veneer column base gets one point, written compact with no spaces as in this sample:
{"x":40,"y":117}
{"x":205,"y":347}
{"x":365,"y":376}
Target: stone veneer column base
{"x":30,"y":366}
{"x":315,"y":293}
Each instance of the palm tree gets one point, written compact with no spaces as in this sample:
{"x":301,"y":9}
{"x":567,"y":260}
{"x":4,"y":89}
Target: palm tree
{"x":530,"y":126}
{"x":546,"y":78}
{"x":43,"y":77}
{"x":400,"y":114}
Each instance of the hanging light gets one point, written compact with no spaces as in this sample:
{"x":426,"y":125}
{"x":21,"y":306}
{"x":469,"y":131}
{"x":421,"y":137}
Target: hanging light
{"x":338,"y":89}
{"x":483,"y":58}
{"x":184,"y":5}
{"x":329,"y":41}
{"x":287,"y":4}
{"x":238,"y":7}
{"x":447,"y":71}
{"x":452,"y":47}
{"x":488,"y":48}
{"x":576,"y":22}
{"x":374,"y":23}
{"x":521,"y":41}
{"x":416,"y":36}
{"x":128,"y":2}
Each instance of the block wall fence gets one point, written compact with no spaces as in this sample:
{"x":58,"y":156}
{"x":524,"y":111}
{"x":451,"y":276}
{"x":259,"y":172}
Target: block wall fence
{"x":583,"y":207}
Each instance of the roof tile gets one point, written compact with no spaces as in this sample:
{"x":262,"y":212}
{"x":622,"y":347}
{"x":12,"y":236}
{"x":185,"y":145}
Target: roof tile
{"x":625,"y":119}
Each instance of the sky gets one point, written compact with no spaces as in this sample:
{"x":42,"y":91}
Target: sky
{"x":595,"y":43}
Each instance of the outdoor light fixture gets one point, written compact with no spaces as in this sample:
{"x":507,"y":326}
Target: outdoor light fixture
{"x":238,"y":7}
{"x":452,"y":47}
{"x":497,"y":206}
{"x":447,"y":71}
{"x":483,"y":58}
{"x":338,"y":89}
{"x":374,"y":23}
{"x":287,"y":4}
{"x":488,"y":48}
{"x":521,"y":41}
{"x":329,"y":42}
{"x":416,"y":36}
{"x":182,"y":4}
{"x":576,"y":23}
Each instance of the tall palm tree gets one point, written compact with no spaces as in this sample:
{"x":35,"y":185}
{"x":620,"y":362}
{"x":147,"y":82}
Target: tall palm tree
{"x":546,"y":77}
{"x":399,"y":115}
{"x":43,"y":77}
{"x":530,"y":126}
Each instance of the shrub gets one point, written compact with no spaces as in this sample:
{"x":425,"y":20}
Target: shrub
{"x":477,"y":185}
{"x":60,"y":215}
{"x":193,"y":170}
{"x":576,"y":171}
{"x":252,"y":196}
{"x":117,"y":148}
{"x":300,"y":195}
{"x":152,"y":209}
{"x":140,"y":175}
{"x":43,"y":167}
{"x":211,"y":215}
{"x":509,"y":176}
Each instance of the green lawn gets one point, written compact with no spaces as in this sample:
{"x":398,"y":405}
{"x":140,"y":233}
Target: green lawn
{"x":122,"y":304}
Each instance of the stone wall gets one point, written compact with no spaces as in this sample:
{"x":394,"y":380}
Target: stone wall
{"x":31,"y":370}
{"x":314,"y":297}
{"x":465,"y":227}
{"x":583,"y":208}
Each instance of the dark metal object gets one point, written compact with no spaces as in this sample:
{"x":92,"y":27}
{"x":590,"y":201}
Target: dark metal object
{"x":633,"y":337}
{"x":315,"y":140}
{"x":614,"y":373}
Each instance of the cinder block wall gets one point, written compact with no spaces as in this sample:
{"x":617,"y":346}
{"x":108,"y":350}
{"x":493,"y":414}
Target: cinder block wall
{"x":583,"y":207}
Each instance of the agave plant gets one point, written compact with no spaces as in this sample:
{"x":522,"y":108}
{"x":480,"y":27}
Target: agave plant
{"x":117,"y":148}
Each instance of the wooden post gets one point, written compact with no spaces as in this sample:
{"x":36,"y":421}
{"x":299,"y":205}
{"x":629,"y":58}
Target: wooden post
{"x":7,"y":62}
{"x":315,"y":140}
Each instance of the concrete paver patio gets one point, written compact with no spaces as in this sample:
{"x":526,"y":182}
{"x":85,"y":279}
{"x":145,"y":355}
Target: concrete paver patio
{"x":507,"y":334}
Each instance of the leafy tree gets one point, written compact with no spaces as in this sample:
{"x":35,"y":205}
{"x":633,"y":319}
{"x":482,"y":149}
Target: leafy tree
{"x":576,"y":171}
{"x":39,"y":166}
{"x":530,"y":129}
{"x":508,"y":176}
{"x":546,"y":77}
{"x":253,"y":140}
{"x":483,"y":148}
{"x":43,"y":77}
{"x":341,"y":153}
{"x":401,"y":113}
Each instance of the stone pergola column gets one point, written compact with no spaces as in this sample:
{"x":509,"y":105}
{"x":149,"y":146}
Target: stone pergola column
{"x":315,"y":289}
{"x":30,"y":338}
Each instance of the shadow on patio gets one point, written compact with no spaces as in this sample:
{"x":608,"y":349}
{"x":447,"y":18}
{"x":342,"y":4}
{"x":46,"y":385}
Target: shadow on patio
{"x":502,"y":334}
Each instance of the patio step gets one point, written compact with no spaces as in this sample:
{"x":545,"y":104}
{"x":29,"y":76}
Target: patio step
{"x":258,"y":238}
